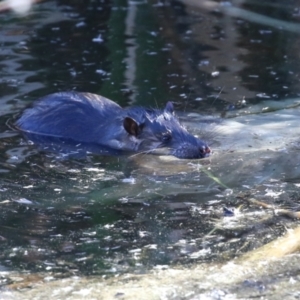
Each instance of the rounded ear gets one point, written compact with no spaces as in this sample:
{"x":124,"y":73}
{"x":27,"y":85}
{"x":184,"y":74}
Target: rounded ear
{"x":131,"y":126}
{"x":169,"y":107}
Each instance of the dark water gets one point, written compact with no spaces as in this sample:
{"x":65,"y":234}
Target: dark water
{"x":102,"y":215}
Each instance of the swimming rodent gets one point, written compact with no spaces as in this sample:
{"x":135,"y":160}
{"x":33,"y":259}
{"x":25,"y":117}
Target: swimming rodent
{"x":92,"y":119}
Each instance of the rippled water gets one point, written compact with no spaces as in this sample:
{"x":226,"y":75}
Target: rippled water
{"x":109,"y":215}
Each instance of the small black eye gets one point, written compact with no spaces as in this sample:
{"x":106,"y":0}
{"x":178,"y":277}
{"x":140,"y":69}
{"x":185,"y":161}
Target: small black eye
{"x":166,"y":136}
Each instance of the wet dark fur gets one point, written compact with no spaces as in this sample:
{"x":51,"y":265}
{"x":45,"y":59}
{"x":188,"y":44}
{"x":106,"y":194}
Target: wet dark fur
{"x":93,"y":119}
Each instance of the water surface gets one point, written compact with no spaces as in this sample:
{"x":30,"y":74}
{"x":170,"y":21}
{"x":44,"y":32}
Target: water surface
{"x":101,"y":215}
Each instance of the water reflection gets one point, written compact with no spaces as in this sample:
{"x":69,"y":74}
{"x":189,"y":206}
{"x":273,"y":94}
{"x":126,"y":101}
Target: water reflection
{"x":101,"y":215}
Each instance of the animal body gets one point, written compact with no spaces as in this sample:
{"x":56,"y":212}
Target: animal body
{"x":93,"y":119}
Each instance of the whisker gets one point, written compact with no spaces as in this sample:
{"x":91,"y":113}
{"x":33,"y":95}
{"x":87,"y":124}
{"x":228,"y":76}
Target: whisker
{"x":149,"y":151}
{"x":216,"y":98}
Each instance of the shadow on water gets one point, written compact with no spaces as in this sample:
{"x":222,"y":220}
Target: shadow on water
{"x":94,"y":208}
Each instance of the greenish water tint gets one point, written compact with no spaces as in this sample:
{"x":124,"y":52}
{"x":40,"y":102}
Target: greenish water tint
{"x":109,"y":215}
